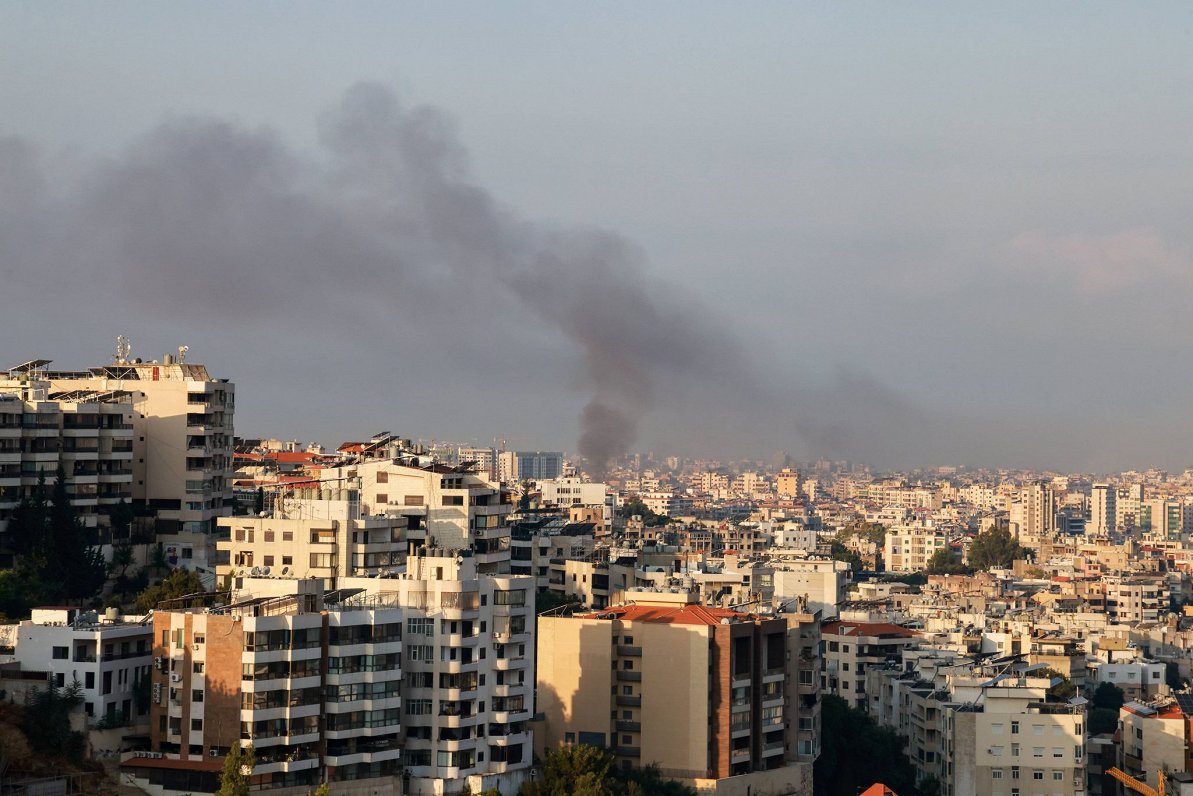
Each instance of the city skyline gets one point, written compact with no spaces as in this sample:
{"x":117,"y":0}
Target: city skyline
{"x":977,"y":258}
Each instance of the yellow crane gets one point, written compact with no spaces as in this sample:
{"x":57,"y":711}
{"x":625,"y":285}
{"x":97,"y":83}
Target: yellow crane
{"x":1137,"y":786}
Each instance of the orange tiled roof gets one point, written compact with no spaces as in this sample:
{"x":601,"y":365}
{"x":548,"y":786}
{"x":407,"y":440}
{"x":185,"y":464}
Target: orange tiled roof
{"x":690,"y":614}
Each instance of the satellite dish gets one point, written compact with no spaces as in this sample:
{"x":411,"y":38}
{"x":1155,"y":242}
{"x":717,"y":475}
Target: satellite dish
{"x":265,"y":571}
{"x":285,"y":570}
{"x":255,"y":571}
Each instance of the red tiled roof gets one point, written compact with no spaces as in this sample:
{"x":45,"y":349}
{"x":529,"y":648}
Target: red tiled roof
{"x":878,"y":789}
{"x":690,"y":614}
{"x":840,"y":628}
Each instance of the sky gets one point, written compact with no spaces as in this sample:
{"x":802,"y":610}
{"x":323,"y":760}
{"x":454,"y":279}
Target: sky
{"x":906,"y":234}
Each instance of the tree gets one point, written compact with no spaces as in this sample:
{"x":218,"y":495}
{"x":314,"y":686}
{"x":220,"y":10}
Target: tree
{"x":323,"y":790}
{"x":588,"y":771}
{"x":840,"y":552}
{"x":47,"y":723}
{"x":944,"y":562}
{"x":1102,"y":720}
{"x":995,"y":548}
{"x":856,"y":752}
{"x":1062,"y":691}
{"x":178,"y":584}
{"x":234,"y":781}
{"x":634,"y":506}
{"x":577,"y":769}
{"x":1108,"y":696}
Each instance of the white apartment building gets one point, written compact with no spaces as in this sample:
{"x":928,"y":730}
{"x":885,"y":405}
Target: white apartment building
{"x":573,"y":492}
{"x":182,"y":437}
{"x":1102,"y":512}
{"x":311,"y":533}
{"x":106,"y":654}
{"x":907,"y":548}
{"x":444,"y":506}
{"x":818,"y":585}
{"x":469,"y":673}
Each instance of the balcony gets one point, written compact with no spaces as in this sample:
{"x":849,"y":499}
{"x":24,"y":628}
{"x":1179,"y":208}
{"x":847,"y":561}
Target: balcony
{"x":628,"y":651}
{"x":628,"y":751}
{"x":629,"y":677}
{"x":629,"y":726}
{"x":629,"y":701}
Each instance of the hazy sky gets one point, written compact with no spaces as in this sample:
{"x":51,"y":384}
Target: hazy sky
{"x":904,"y":233}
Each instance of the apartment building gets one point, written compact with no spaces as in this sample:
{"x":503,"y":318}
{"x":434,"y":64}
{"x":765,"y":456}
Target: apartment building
{"x":818,"y":585}
{"x":311,"y":533}
{"x":106,"y":654}
{"x":539,"y":546}
{"x":1102,"y":511}
{"x":571,"y":492}
{"x":1155,"y":736}
{"x":908,"y":548}
{"x":311,"y":681}
{"x":182,"y":437}
{"x":1003,"y":737}
{"x":86,"y":433}
{"x":850,"y":648}
{"x":699,"y":691}
{"x":469,"y":673}
{"x":444,"y":506}
{"x":1136,"y":599}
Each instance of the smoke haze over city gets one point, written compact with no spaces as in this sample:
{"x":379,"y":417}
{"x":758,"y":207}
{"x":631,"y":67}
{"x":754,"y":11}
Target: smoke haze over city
{"x":706,"y":236}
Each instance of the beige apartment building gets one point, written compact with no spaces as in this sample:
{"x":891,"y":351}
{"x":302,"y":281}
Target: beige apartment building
{"x":1003,"y":738}
{"x":182,"y":437}
{"x":850,"y":648}
{"x":444,"y":506}
{"x":311,"y":533}
{"x":704,"y":693}
{"x":908,"y":548}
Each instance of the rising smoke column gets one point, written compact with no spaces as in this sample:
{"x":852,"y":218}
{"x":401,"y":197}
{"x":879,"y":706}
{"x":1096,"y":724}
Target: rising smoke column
{"x":207,"y":221}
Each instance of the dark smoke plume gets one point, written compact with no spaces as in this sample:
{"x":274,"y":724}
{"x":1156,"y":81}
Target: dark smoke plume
{"x":382,"y":231}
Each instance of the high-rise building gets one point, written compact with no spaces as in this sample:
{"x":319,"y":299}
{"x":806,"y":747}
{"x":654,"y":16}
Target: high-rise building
{"x":699,"y":691}
{"x":538,"y":465}
{"x":1102,"y":513}
{"x":182,"y":437}
{"x":87,"y":433}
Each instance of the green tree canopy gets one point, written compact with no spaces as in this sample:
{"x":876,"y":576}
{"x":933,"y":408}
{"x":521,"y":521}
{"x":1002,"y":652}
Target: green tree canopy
{"x":634,"y":505}
{"x":856,"y":752}
{"x":178,"y":584}
{"x":1109,"y":696}
{"x":995,"y":548}
{"x":237,"y":774}
{"x":945,"y":562}
{"x":588,"y":771}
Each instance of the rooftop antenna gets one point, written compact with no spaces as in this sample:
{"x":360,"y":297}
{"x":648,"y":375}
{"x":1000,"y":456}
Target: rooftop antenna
{"x":124,"y":347}
{"x":182,"y":349}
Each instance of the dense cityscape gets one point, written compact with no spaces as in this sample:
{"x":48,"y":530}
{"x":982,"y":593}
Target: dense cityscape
{"x":191,"y":608}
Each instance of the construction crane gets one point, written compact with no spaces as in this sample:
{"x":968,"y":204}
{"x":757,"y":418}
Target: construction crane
{"x":1143,"y":788}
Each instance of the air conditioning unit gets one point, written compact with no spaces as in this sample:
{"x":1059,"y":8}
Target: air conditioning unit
{"x":176,"y":678}
{"x":157,"y":664}
{"x":213,"y":753}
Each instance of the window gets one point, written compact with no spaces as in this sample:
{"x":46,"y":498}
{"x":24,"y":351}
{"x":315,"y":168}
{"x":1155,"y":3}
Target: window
{"x":198,"y":667}
{"x":996,"y":729}
{"x":1014,"y":728}
{"x":200,"y":638}
{"x":196,"y":695}
{"x":1058,"y":752}
{"x":61,"y":653}
{"x":996,"y":773}
{"x":382,"y":499}
{"x":1037,"y":751}
{"x":1058,"y":776}
{"x":1037,"y":775}
{"x":196,"y":724}
{"x":287,"y":536}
